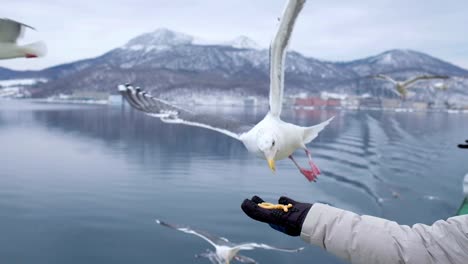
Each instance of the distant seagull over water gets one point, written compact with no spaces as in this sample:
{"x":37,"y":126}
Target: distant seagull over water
{"x":402,"y":86}
{"x":225,"y":251}
{"x":10,"y":32}
{"x":272,"y":138}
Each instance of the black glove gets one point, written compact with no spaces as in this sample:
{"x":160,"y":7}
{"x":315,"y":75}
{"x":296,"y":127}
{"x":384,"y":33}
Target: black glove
{"x":289,"y":223}
{"x":465,"y":146}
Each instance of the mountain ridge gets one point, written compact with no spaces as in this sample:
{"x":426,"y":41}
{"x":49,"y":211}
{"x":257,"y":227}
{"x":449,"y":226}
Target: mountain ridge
{"x":165,"y":61}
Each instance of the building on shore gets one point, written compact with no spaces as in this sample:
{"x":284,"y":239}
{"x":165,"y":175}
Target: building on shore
{"x":115,"y":99}
{"x":250,"y":101}
{"x":391,"y":103}
{"x":310,"y":102}
{"x":419,"y":106}
{"x":89,"y":95}
{"x":370,"y":102}
{"x":351,"y":102}
{"x":323,"y":101}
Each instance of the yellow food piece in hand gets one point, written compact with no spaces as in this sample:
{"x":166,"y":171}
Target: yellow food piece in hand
{"x":271,"y":206}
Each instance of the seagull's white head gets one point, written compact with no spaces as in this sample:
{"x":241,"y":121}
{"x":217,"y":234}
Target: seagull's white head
{"x":267,"y":143}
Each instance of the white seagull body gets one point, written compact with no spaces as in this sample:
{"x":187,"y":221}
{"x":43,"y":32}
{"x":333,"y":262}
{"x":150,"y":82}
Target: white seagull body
{"x":10,"y":32}
{"x":402,"y":86}
{"x":225,"y":251}
{"x":272,"y":138}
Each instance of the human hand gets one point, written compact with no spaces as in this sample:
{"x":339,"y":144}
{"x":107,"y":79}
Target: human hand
{"x":289,"y":222}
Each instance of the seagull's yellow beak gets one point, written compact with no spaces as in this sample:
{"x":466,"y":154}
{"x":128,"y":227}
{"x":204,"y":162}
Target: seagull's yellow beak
{"x":271,"y":164}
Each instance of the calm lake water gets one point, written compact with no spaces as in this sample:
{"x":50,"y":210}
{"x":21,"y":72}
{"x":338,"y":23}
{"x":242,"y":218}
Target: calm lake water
{"x":83,"y":184}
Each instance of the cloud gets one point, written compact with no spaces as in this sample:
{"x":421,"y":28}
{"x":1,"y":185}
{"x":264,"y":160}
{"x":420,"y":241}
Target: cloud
{"x":331,"y":30}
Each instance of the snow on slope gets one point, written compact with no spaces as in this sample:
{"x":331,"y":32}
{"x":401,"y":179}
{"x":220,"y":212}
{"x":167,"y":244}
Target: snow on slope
{"x":20,"y":82}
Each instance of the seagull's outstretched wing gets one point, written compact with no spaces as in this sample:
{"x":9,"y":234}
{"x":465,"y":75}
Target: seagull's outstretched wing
{"x":244,"y":259}
{"x":251,"y":246}
{"x":385,"y":77}
{"x":11,"y":30}
{"x":277,"y":54}
{"x":170,"y":113}
{"x":213,"y":240}
{"x":411,"y":81}
{"x":211,"y":256}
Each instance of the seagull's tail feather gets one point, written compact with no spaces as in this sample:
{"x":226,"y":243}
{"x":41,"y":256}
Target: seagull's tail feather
{"x":312,"y":132}
{"x":36,"y":49}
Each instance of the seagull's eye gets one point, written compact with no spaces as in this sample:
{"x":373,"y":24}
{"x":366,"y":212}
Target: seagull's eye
{"x":273,"y":143}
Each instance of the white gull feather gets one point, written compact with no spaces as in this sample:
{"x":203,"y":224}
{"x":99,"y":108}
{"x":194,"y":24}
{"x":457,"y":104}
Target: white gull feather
{"x":10,"y":32}
{"x":272,"y":138}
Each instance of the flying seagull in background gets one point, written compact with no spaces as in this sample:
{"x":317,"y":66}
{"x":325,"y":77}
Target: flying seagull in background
{"x":10,"y":32}
{"x":272,"y":138}
{"x":225,"y":251}
{"x":402,"y":86}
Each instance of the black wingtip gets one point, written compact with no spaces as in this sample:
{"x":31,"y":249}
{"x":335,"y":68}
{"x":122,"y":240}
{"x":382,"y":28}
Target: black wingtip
{"x":128,"y":92}
{"x":122,"y":88}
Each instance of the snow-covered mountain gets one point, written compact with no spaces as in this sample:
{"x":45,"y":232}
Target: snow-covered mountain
{"x":160,"y":39}
{"x":243,"y":42}
{"x":172,"y":63}
{"x":402,"y":60}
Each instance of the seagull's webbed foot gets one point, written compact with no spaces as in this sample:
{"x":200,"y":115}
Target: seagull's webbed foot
{"x":311,"y":175}
{"x":311,"y":163}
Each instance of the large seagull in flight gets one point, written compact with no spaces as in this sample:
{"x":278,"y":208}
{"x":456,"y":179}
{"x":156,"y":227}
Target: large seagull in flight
{"x":225,"y":251}
{"x":272,"y":138}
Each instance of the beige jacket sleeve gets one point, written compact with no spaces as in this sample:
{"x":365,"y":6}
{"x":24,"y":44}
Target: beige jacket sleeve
{"x":368,"y":239}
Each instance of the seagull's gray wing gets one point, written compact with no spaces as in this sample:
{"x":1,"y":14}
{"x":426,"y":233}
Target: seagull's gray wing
{"x":251,"y":246}
{"x":411,"y":81}
{"x":244,"y":259}
{"x":11,"y":30}
{"x":277,"y":54}
{"x":211,"y":256}
{"x":213,"y":240}
{"x":385,"y":77}
{"x":170,"y":113}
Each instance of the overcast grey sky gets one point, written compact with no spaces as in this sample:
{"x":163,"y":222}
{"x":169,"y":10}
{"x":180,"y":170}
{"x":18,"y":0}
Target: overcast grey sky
{"x":330,"y":30}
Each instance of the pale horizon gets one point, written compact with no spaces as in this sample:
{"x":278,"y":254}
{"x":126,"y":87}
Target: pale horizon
{"x":329,"y":31}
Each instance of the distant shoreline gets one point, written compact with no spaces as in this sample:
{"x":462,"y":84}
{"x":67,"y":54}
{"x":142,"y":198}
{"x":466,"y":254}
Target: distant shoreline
{"x":296,"y":108}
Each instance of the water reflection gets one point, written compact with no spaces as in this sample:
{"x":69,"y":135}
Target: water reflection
{"x":93,"y":178}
